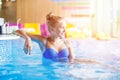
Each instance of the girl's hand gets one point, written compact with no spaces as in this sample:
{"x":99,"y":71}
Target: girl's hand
{"x":28,"y":46}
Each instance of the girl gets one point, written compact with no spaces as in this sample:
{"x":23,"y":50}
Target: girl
{"x":57,"y":48}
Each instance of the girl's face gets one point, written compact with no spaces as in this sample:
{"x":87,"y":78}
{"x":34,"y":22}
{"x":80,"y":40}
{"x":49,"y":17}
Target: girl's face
{"x":59,"y":30}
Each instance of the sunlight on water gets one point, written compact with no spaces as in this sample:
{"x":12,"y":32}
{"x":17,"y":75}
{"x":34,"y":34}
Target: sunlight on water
{"x":30,"y":67}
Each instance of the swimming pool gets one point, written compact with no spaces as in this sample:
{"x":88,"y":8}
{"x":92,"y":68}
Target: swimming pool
{"x":19,"y":66}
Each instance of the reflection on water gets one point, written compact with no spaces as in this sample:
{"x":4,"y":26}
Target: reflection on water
{"x":30,"y":67}
{"x":56,"y":71}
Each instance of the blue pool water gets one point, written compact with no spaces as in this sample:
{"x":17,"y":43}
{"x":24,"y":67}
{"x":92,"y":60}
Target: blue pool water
{"x":19,"y":66}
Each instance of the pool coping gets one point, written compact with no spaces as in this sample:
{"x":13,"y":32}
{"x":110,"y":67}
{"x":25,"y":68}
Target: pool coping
{"x":9,"y":37}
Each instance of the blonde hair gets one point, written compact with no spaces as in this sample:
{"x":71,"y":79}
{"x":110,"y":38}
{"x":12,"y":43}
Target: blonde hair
{"x":53,"y":20}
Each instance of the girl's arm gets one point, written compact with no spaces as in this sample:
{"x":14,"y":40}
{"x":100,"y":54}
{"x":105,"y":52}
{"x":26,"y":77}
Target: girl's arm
{"x":28,"y":36}
{"x":71,"y":53}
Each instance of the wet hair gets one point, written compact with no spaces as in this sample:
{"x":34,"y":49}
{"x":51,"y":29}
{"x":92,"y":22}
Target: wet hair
{"x":53,"y":20}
